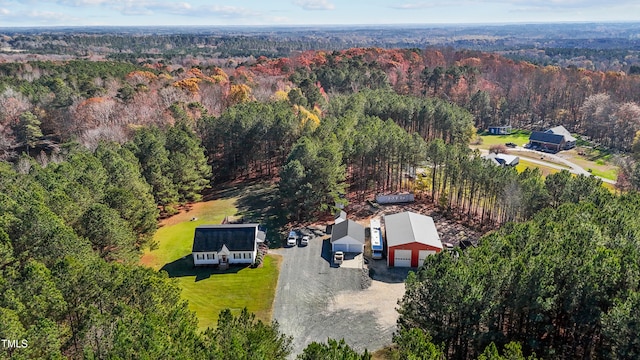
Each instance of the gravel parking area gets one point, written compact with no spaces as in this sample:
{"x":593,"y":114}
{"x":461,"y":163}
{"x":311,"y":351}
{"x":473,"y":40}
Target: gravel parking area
{"x":315,"y":300}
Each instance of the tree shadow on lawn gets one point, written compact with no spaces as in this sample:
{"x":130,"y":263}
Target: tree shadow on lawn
{"x":184,"y":267}
{"x":259,"y":203}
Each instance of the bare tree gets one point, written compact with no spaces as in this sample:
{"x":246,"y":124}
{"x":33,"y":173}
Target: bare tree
{"x":12,"y":104}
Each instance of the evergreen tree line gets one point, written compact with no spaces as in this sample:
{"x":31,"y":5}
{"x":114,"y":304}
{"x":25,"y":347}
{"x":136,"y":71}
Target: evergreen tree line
{"x":464,"y":184}
{"x":70,"y":234}
{"x":563,"y":285}
{"x":112,"y":196}
{"x":348,"y":145}
{"x":250,"y":139}
{"x":359,"y":151}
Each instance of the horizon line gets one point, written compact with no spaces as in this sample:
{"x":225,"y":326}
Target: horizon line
{"x":332,"y":25}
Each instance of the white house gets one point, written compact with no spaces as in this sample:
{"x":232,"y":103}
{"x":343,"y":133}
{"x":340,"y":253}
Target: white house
{"x":503,"y":159}
{"x":347,"y":236}
{"x":226,"y":244}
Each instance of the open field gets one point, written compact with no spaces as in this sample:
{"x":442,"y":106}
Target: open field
{"x":208,"y":290}
{"x":590,"y":160}
{"x":489,"y":140}
{"x":545,"y":170}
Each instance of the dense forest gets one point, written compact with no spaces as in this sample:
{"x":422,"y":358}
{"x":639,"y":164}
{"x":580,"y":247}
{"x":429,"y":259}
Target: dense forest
{"x":94,"y":152}
{"x":595,"y":46}
{"x":564,"y":285}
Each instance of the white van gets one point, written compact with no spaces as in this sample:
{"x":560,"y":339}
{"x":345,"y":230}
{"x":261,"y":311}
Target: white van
{"x":338,"y":257}
{"x":292,"y":240}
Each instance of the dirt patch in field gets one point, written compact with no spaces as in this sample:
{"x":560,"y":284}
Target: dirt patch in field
{"x":148,"y":259}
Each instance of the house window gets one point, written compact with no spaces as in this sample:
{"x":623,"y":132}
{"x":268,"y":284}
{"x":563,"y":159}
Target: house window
{"x":247,"y":255}
{"x":236,"y":256}
{"x":211,"y":256}
{"x":199,"y":256}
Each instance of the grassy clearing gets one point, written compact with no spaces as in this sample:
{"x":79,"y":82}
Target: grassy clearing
{"x":489,"y":140}
{"x":596,"y":160}
{"x":208,"y":290}
{"x":611,"y":174}
{"x":545,"y":170}
{"x":600,"y":163}
{"x":175,"y":236}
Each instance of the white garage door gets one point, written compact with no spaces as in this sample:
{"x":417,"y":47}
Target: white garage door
{"x":423,"y":255}
{"x":402,"y":258}
{"x":340,"y":247}
{"x":356,"y":248}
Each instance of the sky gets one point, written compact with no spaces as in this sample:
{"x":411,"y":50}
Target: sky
{"x":34,"y":13}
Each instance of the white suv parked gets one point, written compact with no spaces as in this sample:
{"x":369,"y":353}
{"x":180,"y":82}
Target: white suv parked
{"x":292,"y":239}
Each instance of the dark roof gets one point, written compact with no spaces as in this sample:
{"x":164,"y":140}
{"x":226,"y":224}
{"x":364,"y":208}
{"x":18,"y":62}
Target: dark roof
{"x":347,"y":228}
{"x":544,"y":137}
{"x":237,"y":237}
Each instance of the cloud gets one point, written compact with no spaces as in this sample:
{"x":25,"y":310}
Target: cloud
{"x":83,"y":3}
{"x":314,"y":4}
{"x":154,"y":7}
{"x":37,"y":16}
{"x":416,"y":5}
{"x":518,"y":4}
{"x":224,"y":12}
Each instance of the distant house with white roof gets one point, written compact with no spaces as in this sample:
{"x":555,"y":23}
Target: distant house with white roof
{"x":503,"y":159}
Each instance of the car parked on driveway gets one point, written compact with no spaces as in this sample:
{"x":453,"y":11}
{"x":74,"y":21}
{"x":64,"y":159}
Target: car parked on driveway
{"x":304,"y":240}
{"x":338,"y":257}
{"x":292,"y":239}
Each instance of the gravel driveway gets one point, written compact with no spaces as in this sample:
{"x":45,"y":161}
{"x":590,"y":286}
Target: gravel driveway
{"x":315,"y":301}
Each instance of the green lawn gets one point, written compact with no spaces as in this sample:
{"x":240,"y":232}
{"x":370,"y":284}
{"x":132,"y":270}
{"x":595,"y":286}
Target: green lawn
{"x":545,"y":170}
{"x":488,"y":140}
{"x":600,"y":164}
{"x":611,"y":174}
{"x":208,"y":290}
